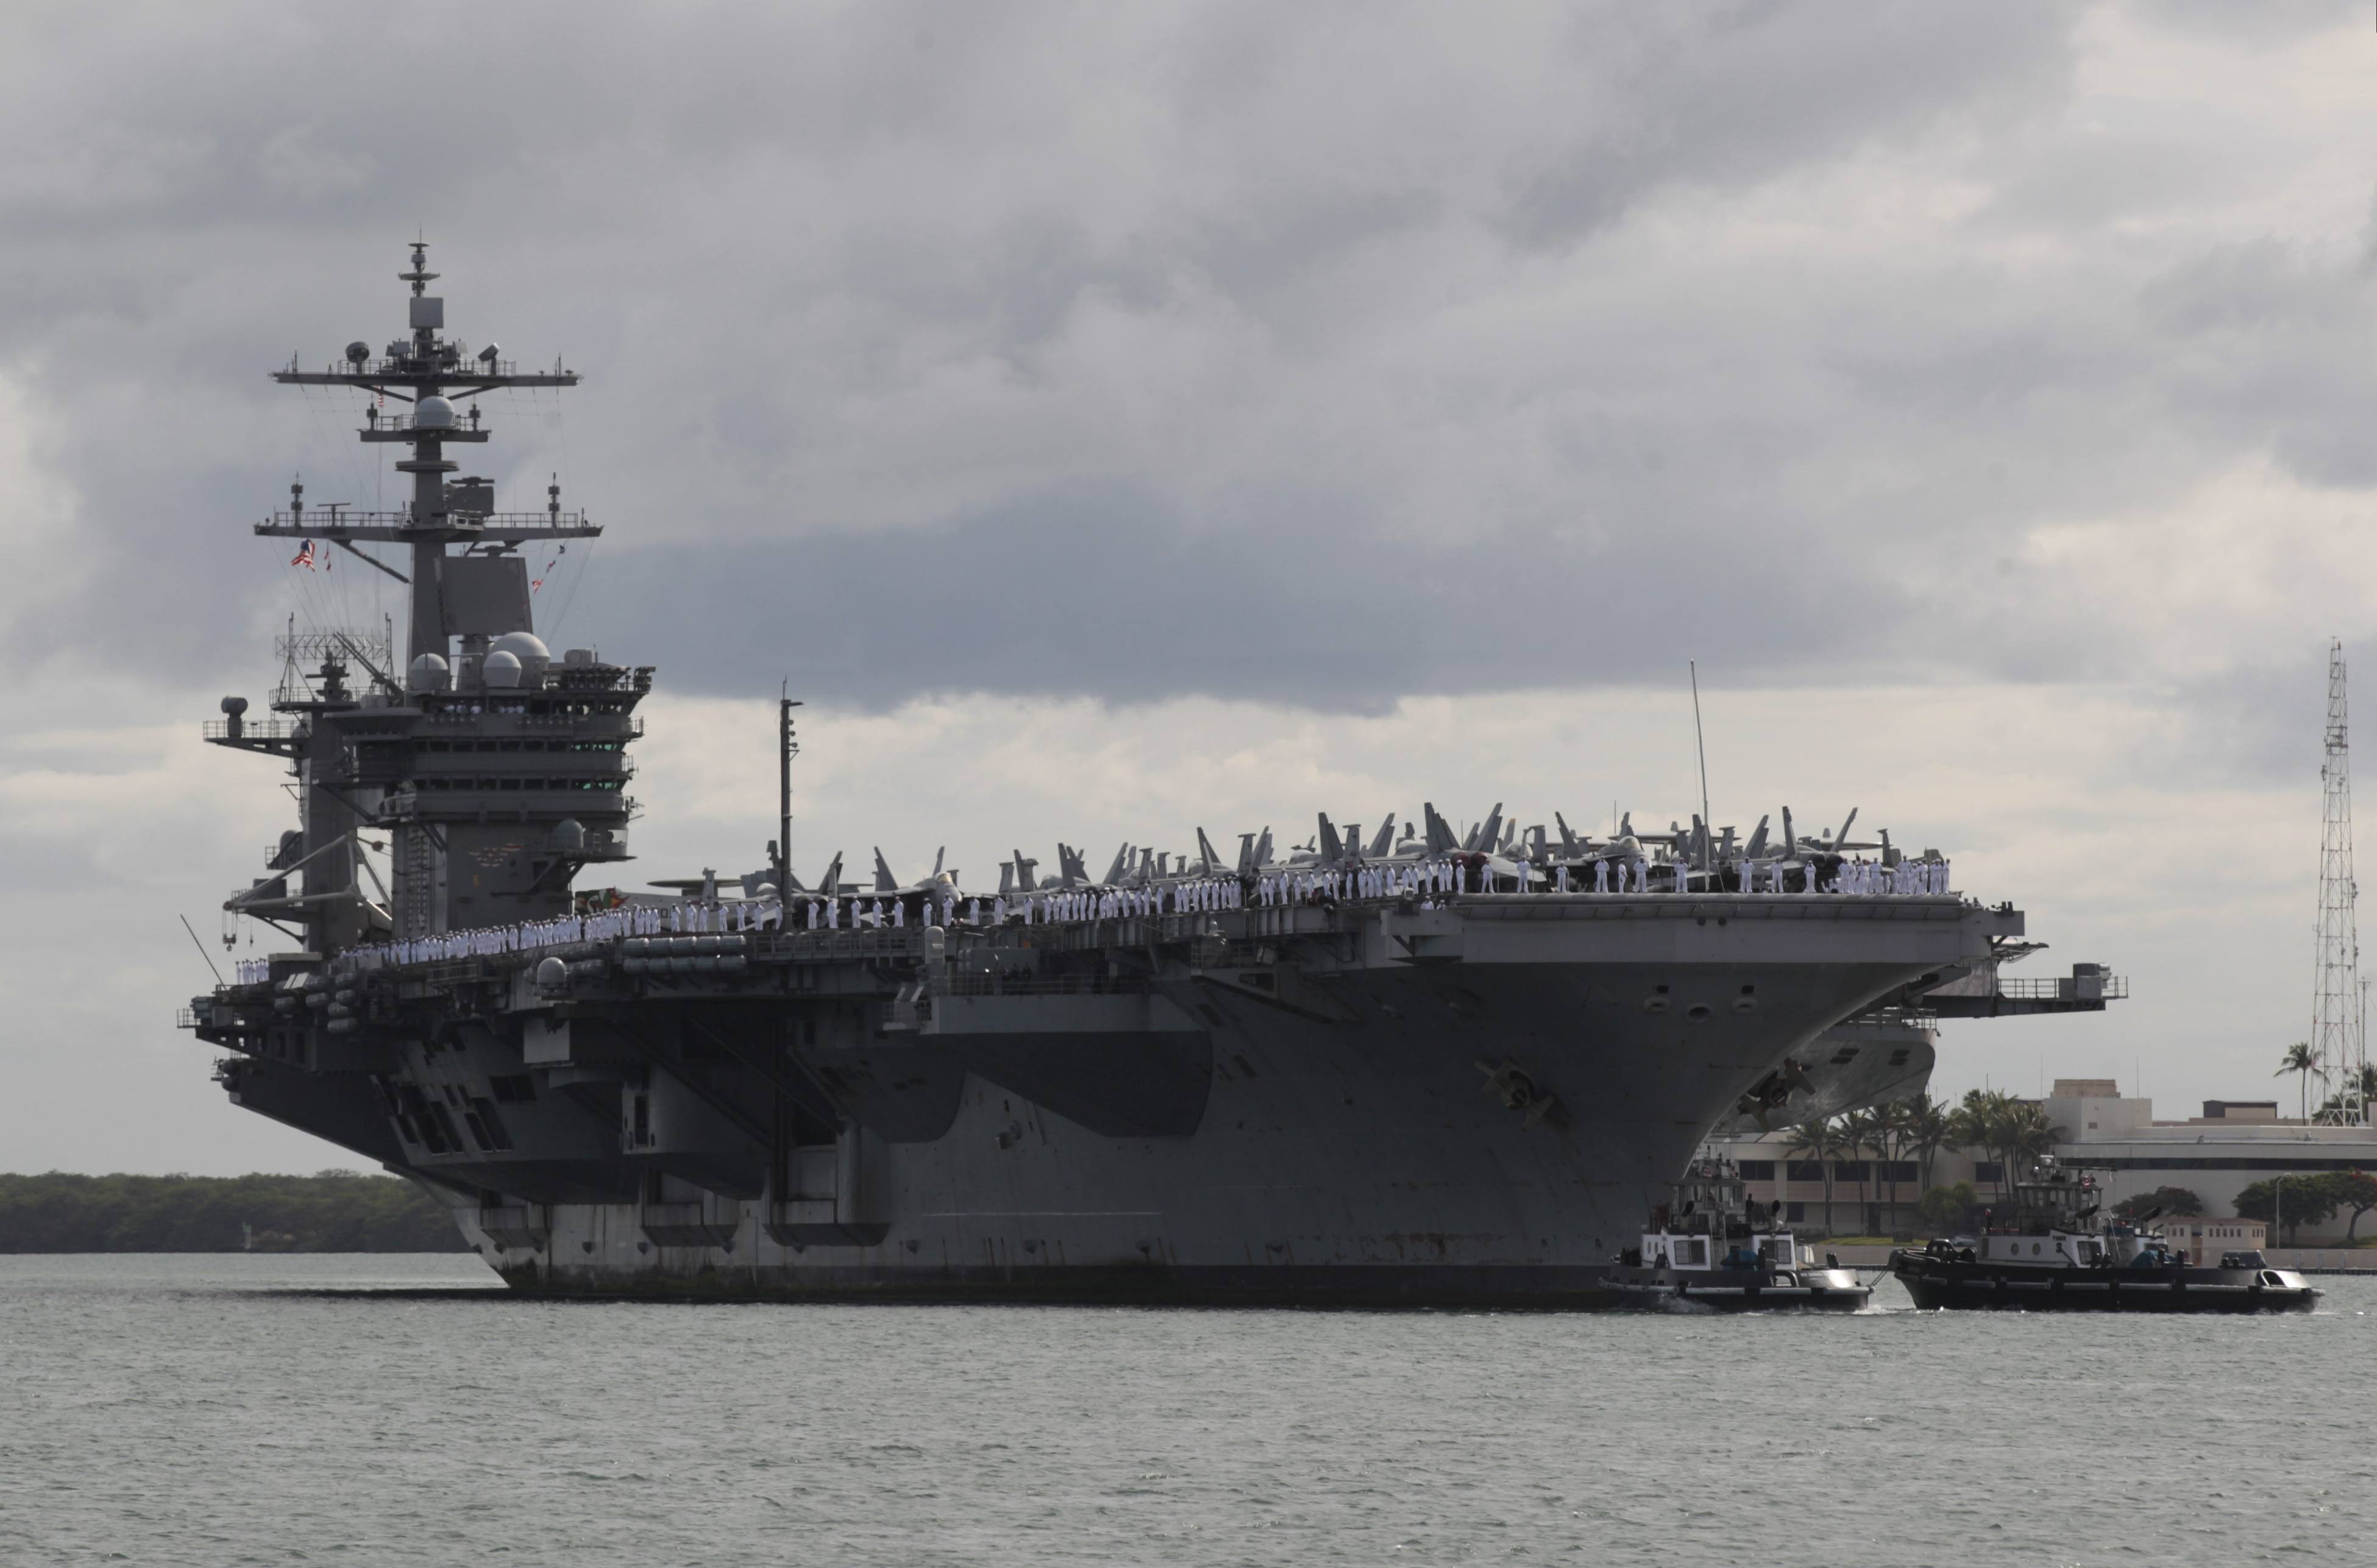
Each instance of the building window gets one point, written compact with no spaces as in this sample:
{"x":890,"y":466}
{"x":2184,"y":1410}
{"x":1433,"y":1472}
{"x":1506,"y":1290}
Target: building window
{"x":1758,"y":1170}
{"x":1898,"y":1170}
{"x":1807,"y":1170}
{"x":1989,"y":1170}
{"x":1849,"y":1170}
{"x":1795,"y":1213}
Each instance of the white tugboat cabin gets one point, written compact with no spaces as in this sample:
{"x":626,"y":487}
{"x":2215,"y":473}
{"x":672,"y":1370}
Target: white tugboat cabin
{"x":1710,"y":1244}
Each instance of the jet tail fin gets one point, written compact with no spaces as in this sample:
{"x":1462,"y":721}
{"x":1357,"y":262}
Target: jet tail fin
{"x":1213,"y":862}
{"x":1332,"y":849}
{"x":1383,"y":842}
{"x":884,"y":880}
{"x":1439,"y":831}
{"x":1568,"y":835}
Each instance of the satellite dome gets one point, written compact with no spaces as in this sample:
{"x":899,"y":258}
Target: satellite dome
{"x":552,"y":974}
{"x":500,"y":669}
{"x":434,"y":414}
{"x":358,"y":351}
{"x":521,"y":645}
{"x":569,"y":833}
{"x":428,"y":672}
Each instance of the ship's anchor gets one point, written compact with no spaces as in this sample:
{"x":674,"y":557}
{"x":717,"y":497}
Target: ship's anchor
{"x":1510,"y":1085}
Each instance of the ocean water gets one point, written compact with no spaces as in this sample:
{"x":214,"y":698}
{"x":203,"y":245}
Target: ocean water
{"x":204,"y":1410}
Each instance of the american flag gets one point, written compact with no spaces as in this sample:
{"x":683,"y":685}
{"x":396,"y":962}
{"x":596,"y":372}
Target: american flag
{"x":305,"y":557}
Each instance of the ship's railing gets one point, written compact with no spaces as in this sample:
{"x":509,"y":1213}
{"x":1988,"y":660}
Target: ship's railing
{"x":465,"y":368}
{"x":865,"y":942}
{"x":458,"y":424}
{"x":2067,"y":987}
{"x":185,"y":1018}
{"x":516,"y":710}
{"x":250,"y":729}
{"x":322,"y":525}
{"x":1039,"y":986}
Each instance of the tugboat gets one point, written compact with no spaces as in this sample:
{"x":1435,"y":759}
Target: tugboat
{"x":1712,"y":1245}
{"x":2056,"y":1255}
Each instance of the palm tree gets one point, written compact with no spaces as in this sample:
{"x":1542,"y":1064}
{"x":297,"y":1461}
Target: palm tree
{"x":2302,"y":1060}
{"x":2028,"y":1134}
{"x":1976,"y":1123}
{"x":1927,"y":1132}
{"x":1819,"y":1141}
{"x":1860,"y":1129}
{"x":1895,"y":1136}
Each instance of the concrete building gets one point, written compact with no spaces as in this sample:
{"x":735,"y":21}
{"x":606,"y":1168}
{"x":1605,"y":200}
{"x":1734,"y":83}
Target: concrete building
{"x":2216,"y":1155}
{"x":2202,"y":1240}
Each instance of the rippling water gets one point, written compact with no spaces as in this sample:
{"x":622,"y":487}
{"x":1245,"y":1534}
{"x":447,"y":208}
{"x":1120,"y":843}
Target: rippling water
{"x":228,"y":1410}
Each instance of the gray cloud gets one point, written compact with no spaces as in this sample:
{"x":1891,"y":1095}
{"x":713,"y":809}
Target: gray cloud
{"x":1323,"y":355}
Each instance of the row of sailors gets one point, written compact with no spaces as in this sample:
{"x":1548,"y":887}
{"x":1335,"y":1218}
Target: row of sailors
{"x":1425,"y":880}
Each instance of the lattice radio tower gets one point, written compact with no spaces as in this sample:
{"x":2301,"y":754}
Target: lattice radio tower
{"x":2338,"y":1041}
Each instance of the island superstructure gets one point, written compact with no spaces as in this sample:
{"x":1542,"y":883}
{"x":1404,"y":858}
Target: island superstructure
{"x":1444,"y":1066}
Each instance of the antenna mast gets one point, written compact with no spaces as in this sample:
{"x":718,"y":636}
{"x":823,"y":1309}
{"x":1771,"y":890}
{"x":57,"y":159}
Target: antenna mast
{"x":1699,"y":744}
{"x":2336,"y":1038}
{"x":788,"y":746}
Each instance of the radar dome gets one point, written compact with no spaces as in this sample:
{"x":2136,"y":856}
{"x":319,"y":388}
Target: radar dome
{"x":523,"y":646}
{"x":428,"y":672}
{"x":358,"y":351}
{"x":500,"y":669}
{"x":552,"y":974}
{"x":434,"y":414}
{"x":235,"y":706}
{"x":569,"y":833}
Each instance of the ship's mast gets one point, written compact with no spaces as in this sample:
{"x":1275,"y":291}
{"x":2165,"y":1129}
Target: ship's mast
{"x":497,"y":773}
{"x":431,"y":373}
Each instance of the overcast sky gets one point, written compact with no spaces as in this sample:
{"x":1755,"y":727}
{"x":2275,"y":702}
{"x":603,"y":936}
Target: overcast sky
{"x":1119,"y":419}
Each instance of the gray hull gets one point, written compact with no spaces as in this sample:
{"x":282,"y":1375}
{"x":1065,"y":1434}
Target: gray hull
{"x":1485,"y":1121}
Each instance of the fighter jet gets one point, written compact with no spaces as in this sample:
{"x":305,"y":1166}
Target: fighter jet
{"x":943,"y":884}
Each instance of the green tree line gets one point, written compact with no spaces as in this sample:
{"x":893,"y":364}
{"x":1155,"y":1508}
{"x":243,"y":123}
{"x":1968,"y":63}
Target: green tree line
{"x":2311,"y":1200}
{"x":334,"y":1211}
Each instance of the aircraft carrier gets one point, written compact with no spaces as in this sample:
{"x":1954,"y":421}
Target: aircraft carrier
{"x":1448,"y":1066}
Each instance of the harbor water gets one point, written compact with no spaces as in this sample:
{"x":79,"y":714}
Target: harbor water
{"x":384,"y":1410}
